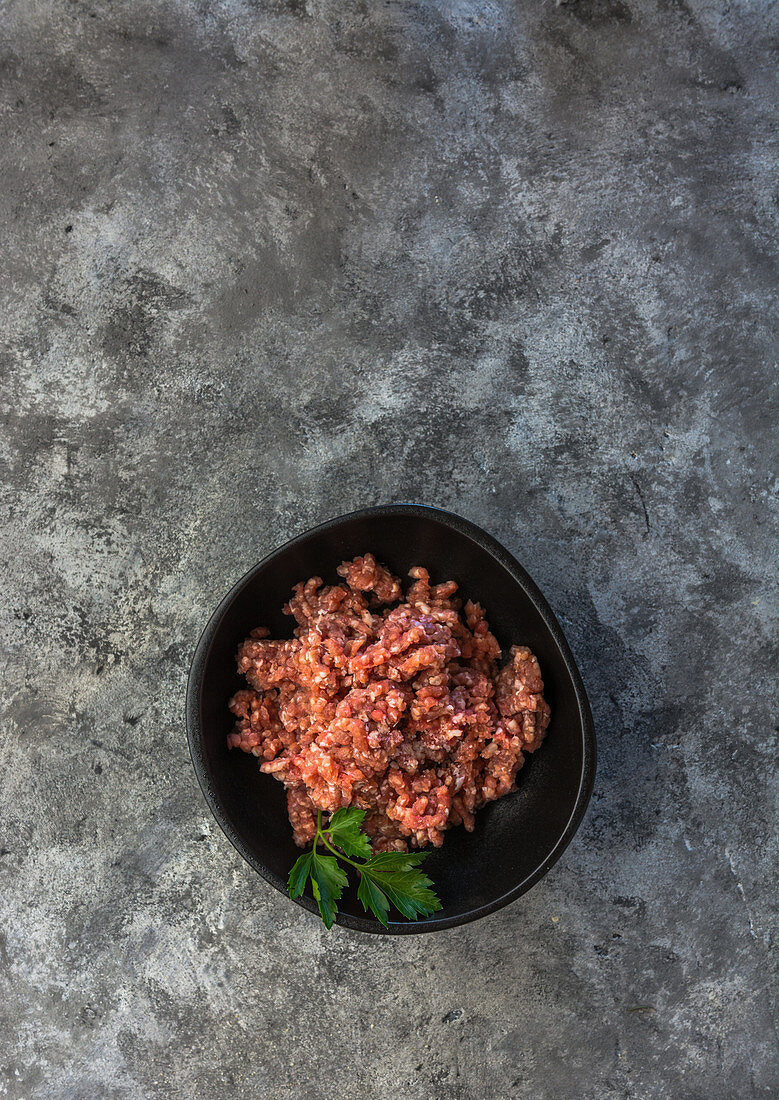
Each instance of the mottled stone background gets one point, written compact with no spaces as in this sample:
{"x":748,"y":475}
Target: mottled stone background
{"x":266,"y":262}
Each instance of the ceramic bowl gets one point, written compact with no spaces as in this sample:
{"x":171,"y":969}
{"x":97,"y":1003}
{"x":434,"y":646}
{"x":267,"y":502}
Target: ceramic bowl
{"x":516,"y":839}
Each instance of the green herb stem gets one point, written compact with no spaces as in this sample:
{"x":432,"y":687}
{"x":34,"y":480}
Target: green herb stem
{"x":335,"y":851}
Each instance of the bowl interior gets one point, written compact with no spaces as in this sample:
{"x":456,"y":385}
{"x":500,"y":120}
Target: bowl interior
{"x":517,"y":838}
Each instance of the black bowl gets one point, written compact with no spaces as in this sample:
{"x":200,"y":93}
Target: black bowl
{"x":519,"y":837}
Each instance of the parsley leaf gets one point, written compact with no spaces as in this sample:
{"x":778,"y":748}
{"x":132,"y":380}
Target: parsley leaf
{"x":327,"y":882}
{"x":373,"y":899}
{"x":387,"y":878}
{"x":409,"y":891}
{"x":299,"y":874}
{"x":344,"y":830}
{"x":396,"y":861}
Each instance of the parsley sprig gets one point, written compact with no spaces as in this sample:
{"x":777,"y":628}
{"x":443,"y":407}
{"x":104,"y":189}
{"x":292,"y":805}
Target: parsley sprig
{"x":389,"y":878}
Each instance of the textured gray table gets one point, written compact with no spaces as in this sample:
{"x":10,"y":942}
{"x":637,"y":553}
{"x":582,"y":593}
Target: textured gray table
{"x":266,"y":262}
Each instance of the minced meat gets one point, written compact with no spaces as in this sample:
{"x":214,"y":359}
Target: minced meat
{"x":392,"y":704}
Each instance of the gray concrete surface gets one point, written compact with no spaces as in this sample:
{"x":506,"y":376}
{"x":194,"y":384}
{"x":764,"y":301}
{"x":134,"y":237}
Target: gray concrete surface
{"x":266,"y":262}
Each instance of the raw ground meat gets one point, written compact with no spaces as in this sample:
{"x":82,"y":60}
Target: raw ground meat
{"x":396,"y":707}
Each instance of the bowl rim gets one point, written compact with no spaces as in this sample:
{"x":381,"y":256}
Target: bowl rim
{"x":587,"y":729}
